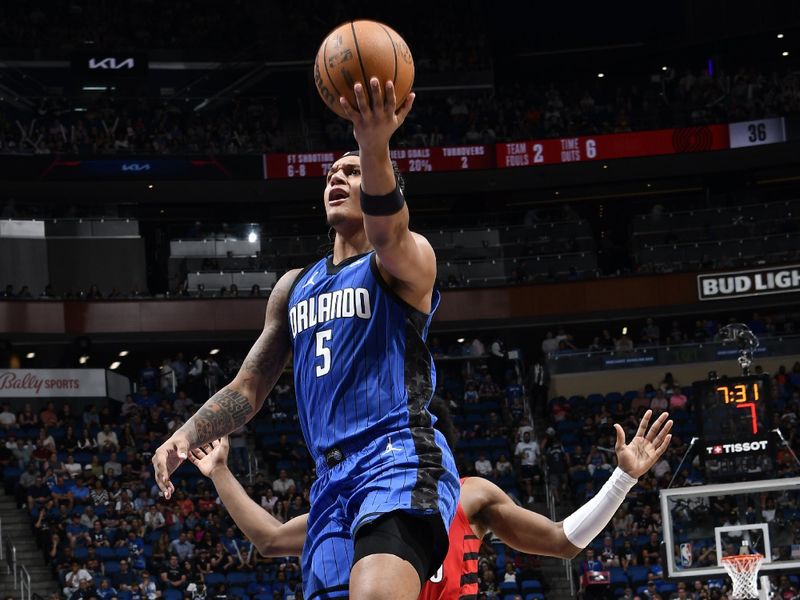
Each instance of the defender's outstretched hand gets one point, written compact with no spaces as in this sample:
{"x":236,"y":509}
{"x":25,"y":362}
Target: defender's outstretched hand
{"x":168,"y":457}
{"x":377,"y":115}
{"x":644,"y":449}
{"x":211,"y":457}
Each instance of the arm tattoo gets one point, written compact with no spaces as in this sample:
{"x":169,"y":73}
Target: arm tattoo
{"x":264,"y":361}
{"x":224,"y":412}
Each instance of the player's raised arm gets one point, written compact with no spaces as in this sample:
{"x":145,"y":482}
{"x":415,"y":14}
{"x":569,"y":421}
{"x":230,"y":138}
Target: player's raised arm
{"x":236,"y":403}
{"x":270,"y":537}
{"x":491,"y":508}
{"x":405,"y":256}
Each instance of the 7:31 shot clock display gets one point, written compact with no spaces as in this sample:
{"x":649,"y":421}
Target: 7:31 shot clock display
{"x":734,"y":417}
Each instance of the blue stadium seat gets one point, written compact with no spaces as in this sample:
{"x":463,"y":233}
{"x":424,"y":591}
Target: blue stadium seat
{"x":120,"y":553}
{"x":104,"y":553}
{"x":638,"y":574}
{"x":535,"y":596}
{"x":111,"y":567}
{"x":239,"y":592}
{"x":239,"y":578}
{"x":509,"y":587}
{"x":124,"y":596}
{"x":80,"y":553}
{"x":173,"y":594}
{"x":666,"y":588}
{"x":618,"y":576}
{"x":531,"y":585}
{"x":214,"y":579}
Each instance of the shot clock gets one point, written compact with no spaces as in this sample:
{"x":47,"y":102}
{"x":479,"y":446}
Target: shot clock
{"x":734,"y":417}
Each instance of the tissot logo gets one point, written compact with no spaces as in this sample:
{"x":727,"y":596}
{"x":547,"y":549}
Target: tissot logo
{"x":718,"y":449}
{"x":112,"y":63}
{"x":136,"y":167}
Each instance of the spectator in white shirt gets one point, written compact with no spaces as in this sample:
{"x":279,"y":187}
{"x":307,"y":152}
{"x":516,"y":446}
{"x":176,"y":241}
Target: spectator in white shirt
{"x":153,"y":518}
{"x":7,"y":418}
{"x":503,"y":466}
{"x":71,"y":467}
{"x":113,"y":464}
{"x":550,"y":343}
{"x":73,"y":578}
{"x":483,"y":466}
{"x":527,"y":450}
{"x":282,"y":484}
{"x":107,"y":440}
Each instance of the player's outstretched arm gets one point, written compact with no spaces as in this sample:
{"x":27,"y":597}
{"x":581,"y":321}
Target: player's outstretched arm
{"x":491,"y":508}
{"x":270,"y":537}
{"x":406,"y":256}
{"x":236,"y":403}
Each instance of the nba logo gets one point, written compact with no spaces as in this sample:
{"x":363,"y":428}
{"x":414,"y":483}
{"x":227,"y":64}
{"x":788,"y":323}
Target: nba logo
{"x":686,"y":555}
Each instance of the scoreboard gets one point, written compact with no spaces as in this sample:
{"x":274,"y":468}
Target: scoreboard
{"x":409,"y":160}
{"x":734,"y":418}
{"x":555,"y":151}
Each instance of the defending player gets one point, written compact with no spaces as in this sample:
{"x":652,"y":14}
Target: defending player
{"x":482,"y":507}
{"x":356,"y":323}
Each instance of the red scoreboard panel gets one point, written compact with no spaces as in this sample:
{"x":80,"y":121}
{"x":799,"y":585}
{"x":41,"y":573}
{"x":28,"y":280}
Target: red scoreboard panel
{"x":410,"y":160}
{"x":615,"y":145}
{"x":531,"y":153}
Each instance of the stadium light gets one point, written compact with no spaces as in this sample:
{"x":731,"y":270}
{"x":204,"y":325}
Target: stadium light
{"x":252,"y":237}
{"x":601,"y":75}
{"x":780,"y":36}
{"x":664,"y":68}
{"x":123,"y":353}
{"x":213,"y":351}
{"x":624,"y":331}
{"x":785,"y":53}
{"x":83,"y":359}
{"x":115,"y":365}
{"x":30,"y":355}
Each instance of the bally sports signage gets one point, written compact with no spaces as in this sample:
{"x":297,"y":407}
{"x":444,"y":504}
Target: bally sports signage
{"x":52,"y":383}
{"x":754,"y":282}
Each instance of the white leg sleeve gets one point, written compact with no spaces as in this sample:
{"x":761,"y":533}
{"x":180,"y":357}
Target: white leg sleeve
{"x":586,"y":523}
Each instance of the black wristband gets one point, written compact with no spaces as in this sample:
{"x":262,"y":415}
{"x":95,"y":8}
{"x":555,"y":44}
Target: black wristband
{"x":382,"y":206}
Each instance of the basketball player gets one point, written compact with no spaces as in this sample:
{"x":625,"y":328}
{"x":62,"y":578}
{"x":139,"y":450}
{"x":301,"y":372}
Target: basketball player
{"x":482,"y":507}
{"x":356,"y":323}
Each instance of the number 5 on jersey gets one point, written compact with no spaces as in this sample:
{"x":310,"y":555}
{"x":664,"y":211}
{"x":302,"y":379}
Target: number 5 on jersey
{"x":324,"y":353}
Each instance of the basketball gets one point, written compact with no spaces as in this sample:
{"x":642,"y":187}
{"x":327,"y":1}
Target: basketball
{"x":357,"y":51}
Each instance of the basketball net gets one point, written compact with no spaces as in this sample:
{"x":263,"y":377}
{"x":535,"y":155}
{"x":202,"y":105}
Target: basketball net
{"x":743,"y":571}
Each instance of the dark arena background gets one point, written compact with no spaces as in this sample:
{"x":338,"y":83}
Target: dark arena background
{"x":612,"y":191}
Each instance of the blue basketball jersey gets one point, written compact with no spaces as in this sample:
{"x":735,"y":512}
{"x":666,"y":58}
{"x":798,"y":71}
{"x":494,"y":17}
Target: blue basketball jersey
{"x":361,"y":366}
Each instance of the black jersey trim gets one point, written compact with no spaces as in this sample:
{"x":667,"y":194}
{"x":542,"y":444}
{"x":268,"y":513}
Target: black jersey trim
{"x":468,"y":597}
{"x":333,"y":269}
{"x":469,"y":578}
{"x":471,"y":556}
{"x":329,"y":590}
{"x":376,"y":273}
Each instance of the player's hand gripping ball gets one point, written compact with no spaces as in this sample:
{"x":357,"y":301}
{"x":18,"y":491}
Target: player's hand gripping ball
{"x":354,"y":53}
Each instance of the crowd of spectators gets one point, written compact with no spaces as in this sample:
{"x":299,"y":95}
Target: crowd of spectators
{"x":249,"y":125}
{"x":253,"y":125}
{"x":83,"y":476}
{"x":577,"y":451}
{"x":94,"y":293}
{"x":666,"y":332}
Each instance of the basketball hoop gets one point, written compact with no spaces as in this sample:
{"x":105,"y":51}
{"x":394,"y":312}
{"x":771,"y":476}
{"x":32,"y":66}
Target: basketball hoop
{"x":743,"y":571}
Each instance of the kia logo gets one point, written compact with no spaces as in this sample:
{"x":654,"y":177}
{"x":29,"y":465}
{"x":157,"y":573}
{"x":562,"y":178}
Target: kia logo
{"x":136,"y":167}
{"x":111,"y":63}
